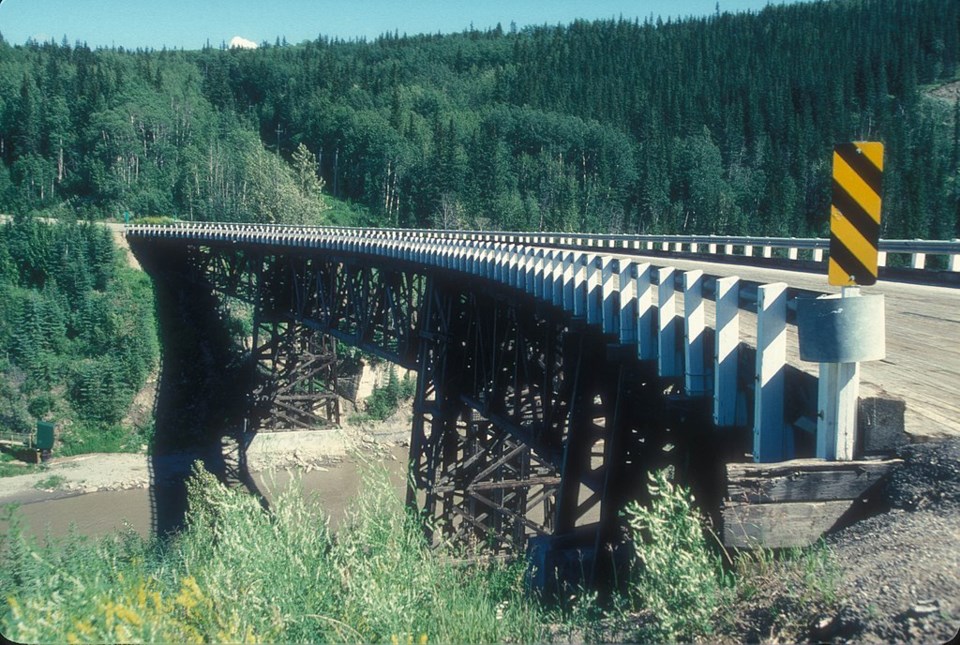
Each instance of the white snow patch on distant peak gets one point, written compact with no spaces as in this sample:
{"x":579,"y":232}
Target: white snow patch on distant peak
{"x":242,"y":43}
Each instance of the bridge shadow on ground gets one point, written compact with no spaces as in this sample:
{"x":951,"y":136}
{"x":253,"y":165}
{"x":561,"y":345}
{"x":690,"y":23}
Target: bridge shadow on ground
{"x":201,"y":403}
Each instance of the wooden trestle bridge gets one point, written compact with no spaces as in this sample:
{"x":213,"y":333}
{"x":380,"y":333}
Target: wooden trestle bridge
{"x":555,"y":370}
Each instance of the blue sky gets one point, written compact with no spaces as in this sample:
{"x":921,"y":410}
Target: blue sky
{"x":190,"y":23}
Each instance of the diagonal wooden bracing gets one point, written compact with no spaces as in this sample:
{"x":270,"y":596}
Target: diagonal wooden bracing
{"x":300,"y":305}
{"x":297,"y":384}
{"x":527,"y":424}
{"x":523,"y":428}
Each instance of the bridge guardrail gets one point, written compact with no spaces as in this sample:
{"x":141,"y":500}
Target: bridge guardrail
{"x":629,"y":299}
{"x":717,"y":247}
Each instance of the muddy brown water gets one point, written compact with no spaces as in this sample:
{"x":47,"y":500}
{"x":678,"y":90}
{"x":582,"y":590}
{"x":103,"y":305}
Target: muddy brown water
{"x":335,"y":487}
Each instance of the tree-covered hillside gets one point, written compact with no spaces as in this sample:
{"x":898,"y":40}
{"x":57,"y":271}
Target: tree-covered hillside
{"x":77,"y":334}
{"x":723,"y":124}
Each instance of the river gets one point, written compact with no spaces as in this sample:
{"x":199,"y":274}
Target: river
{"x":97,"y":514}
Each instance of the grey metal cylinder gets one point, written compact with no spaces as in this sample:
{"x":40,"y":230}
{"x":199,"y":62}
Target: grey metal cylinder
{"x":833,"y":329}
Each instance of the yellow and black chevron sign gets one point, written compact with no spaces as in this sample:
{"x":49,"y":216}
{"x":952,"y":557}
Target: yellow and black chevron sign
{"x":855,"y":213}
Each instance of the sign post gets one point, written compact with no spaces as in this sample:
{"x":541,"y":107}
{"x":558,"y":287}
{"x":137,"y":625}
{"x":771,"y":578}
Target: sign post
{"x":840,"y":332}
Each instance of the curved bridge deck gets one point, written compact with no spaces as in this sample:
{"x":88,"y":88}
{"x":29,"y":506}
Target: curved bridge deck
{"x":554,"y":371}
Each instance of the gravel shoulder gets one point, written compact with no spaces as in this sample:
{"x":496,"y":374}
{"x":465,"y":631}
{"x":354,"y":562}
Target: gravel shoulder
{"x":900,"y":570}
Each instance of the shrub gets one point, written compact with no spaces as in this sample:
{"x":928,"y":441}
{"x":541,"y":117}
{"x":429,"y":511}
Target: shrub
{"x":386,"y":398}
{"x":53,"y":482}
{"x":83,"y":437}
{"x":154,"y":219}
{"x":676,"y":576}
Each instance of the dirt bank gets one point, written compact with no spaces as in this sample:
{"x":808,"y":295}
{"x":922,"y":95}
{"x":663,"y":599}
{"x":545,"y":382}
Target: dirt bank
{"x":895,"y":575}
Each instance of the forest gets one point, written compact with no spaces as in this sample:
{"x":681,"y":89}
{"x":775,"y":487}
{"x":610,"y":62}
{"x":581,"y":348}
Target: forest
{"x":77,"y":334}
{"x":723,"y":124}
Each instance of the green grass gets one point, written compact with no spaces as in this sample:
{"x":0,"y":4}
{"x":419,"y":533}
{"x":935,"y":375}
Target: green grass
{"x":157,"y":219}
{"x":53,"y":482}
{"x":779,"y":595}
{"x":10,"y":466}
{"x":84,"y":438}
{"x":12,"y":470}
{"x":238,"y":573}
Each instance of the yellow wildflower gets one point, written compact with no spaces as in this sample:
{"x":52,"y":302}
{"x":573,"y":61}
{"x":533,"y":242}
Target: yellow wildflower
{"x":14,"y":607}
{"x":108,"y":613}
{"x":128,"y":615}
{"x":190,"y":594}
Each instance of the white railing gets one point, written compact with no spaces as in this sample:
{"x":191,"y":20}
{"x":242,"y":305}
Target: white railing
{"x":629,"y":298}
{"x":718,"y":247}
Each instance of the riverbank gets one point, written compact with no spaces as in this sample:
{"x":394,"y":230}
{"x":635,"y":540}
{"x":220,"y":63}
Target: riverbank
{"x":100,"y":492}
{"x":894,"y":576}
{"x":98,"y":472}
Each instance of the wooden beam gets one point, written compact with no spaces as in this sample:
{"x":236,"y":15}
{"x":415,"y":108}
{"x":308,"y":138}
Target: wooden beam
{"x":503,"y":484}
{"x":668,"y":363}
{"x":696,"y":378}
{"x":777,"y":526}
{"x":317,"y":397}
{"x":646,"y":340}
{"x":805,"y":480}
{"x":295,"y":410}
{"x":838,"y":397}
{"x":628,"y":303}
{"x":726,"y":353}
{"x":539,"y":529}
{"x":610,"y":294}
